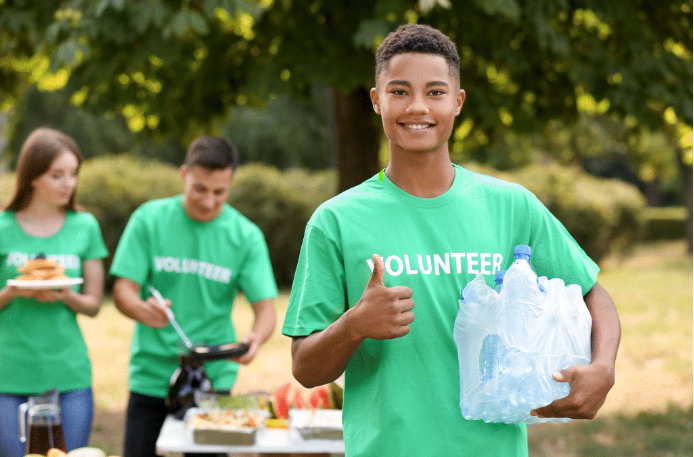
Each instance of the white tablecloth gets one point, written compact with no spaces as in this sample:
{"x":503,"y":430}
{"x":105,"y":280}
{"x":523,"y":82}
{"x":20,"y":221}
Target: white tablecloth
{"x":176,"y":437}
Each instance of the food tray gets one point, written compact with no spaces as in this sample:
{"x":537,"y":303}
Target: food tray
{"x":241,"y":436}
{"x":318,"y":424}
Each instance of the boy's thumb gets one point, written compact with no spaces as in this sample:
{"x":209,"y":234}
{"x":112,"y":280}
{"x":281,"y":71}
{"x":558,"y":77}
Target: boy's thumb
{"x":378,"y":271}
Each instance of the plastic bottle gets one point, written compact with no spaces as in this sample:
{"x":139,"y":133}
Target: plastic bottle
{"x":499,"y":280}
{"x":522,"y":253}
{"x":493,"y":346}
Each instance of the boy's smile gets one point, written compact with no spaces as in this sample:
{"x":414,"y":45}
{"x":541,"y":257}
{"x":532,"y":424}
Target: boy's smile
{"x":418,"y":100}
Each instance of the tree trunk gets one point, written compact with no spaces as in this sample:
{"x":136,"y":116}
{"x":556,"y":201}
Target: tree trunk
{"x":357,"y":138}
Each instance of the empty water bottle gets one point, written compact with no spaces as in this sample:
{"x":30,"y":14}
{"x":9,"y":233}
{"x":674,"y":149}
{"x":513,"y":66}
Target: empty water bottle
{"x":518,"y":334}
{"x":493,"y":348}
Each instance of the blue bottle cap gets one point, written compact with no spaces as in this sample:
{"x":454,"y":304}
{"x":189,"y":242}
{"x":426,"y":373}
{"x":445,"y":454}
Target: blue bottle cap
{"x":522,"y":250}
{"x":499,"y":276}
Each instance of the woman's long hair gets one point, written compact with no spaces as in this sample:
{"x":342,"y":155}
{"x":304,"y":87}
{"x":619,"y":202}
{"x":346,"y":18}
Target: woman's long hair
{"x":38,"y":152}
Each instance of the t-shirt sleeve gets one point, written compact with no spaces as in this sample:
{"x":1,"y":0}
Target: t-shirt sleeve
{"x":131,"y":258}
{"x":256,"y":279}
{"x":318,"y":296}
{"x":96,"y":248}
{"x":556,"y":254}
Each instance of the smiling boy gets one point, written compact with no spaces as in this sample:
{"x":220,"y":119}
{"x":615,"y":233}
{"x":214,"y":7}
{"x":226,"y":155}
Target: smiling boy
{"x":381,"y":267}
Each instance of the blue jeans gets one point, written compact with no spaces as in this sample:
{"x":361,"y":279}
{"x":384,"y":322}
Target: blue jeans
{"x":76,"y":413}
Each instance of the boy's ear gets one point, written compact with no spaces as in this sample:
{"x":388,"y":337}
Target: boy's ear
{"x":374,"y":100}
{"x":459,"y":101}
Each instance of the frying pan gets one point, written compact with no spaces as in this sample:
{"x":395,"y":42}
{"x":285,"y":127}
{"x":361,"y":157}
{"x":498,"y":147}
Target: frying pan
{"x":201,"y":351}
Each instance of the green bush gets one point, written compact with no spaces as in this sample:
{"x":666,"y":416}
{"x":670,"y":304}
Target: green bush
{"x":601,"y":214}
{"x":664,"y":223}
{"x":112,"y":187}
{"x":6,"y":188}
{"x":281,"y":203}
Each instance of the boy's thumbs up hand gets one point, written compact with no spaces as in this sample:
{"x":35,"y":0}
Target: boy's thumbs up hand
{"x":378,"y":272}
{"x":382,"y":312}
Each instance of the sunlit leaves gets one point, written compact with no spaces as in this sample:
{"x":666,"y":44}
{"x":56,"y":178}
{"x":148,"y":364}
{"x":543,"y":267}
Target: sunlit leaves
{"x":427,"y":5}
{"x":183,"y":21}
{"x":370,"y":33}
{"x":508,"y":8}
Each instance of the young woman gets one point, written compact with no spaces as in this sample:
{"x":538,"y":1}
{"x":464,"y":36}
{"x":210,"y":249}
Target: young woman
{"x":41,"y":345}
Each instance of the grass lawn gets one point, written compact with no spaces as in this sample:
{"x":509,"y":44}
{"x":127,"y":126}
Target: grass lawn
{"x":647,"y":413}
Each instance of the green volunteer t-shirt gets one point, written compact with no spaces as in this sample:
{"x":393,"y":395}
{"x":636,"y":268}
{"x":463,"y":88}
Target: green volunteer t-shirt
{"x":41,"y":345}
{"x":402,"y":395}
{"x":200,"y":267}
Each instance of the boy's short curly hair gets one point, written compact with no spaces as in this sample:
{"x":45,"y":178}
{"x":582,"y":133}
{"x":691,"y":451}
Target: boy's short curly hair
{"x":418,"y":38}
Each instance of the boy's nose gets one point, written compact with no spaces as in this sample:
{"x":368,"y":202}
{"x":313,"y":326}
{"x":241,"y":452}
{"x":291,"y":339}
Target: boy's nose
{"x":417,"y":106}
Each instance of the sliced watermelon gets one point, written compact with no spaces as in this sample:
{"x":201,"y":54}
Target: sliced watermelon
{"x":298,"y":400}
{"x":320,"y":398}
{"x":279,"y":402}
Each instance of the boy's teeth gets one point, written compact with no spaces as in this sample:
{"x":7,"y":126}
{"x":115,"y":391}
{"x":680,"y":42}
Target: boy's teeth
{"x":418,"y":126}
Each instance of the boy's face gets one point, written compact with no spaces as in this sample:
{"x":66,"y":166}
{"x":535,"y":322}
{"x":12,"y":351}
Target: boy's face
{"x":418,"y":101}
{"x":204,"y":191}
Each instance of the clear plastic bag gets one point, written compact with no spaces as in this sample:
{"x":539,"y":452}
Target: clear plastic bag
{"x":510,"y":342}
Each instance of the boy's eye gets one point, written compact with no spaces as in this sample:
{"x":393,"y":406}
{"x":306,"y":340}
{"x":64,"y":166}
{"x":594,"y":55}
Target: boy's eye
{"x":437,"y":92}
{"x":398,"y":92}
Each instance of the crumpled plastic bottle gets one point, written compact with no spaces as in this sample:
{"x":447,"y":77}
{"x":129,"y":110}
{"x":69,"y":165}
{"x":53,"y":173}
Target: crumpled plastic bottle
{"x":512,"y":339}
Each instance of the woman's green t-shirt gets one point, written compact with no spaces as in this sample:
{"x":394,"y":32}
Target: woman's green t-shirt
{"x":41,"y":345}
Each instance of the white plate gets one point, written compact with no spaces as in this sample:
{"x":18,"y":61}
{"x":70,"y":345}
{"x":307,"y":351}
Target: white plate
{"x":45,"y":284}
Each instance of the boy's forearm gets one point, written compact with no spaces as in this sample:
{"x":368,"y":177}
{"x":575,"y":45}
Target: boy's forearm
{"x":322,"y":357}
{"x":606,"y":332}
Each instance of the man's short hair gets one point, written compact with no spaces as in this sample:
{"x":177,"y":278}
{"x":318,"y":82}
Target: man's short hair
{"x":417,"y":38}
{"x":212,"y":153}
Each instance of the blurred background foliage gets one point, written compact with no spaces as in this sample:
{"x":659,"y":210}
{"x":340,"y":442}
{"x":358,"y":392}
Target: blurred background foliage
{"x":604,"y":215}
{"x":603,"y":87}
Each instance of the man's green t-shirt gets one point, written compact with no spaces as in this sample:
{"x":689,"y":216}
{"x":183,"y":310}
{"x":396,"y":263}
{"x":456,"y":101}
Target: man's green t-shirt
{"x":200,"y":267}
{"x":41,"y":345}
{"x":402,"y":395}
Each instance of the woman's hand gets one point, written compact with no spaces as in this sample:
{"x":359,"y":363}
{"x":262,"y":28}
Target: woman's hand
{"x":89,"y":301}
{"x":51,"y":295}
{"x":9,"y":293}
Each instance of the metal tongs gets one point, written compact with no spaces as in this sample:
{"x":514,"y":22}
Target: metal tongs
{"x":170,"y":316}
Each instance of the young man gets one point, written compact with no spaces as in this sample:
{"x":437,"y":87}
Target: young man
{"x":382,"y":266}
{"x":198,"y":252}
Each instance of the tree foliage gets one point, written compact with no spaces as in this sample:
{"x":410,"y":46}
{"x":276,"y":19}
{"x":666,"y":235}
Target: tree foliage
{"x":172,"y":67}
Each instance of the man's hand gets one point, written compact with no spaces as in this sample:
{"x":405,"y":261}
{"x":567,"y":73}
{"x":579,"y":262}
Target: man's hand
{"x":253,"y":341}
{"x":382,"y":312}
{"x":126,"y":296}
{"x":589,"y":387}
{"x":153,"y":314}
